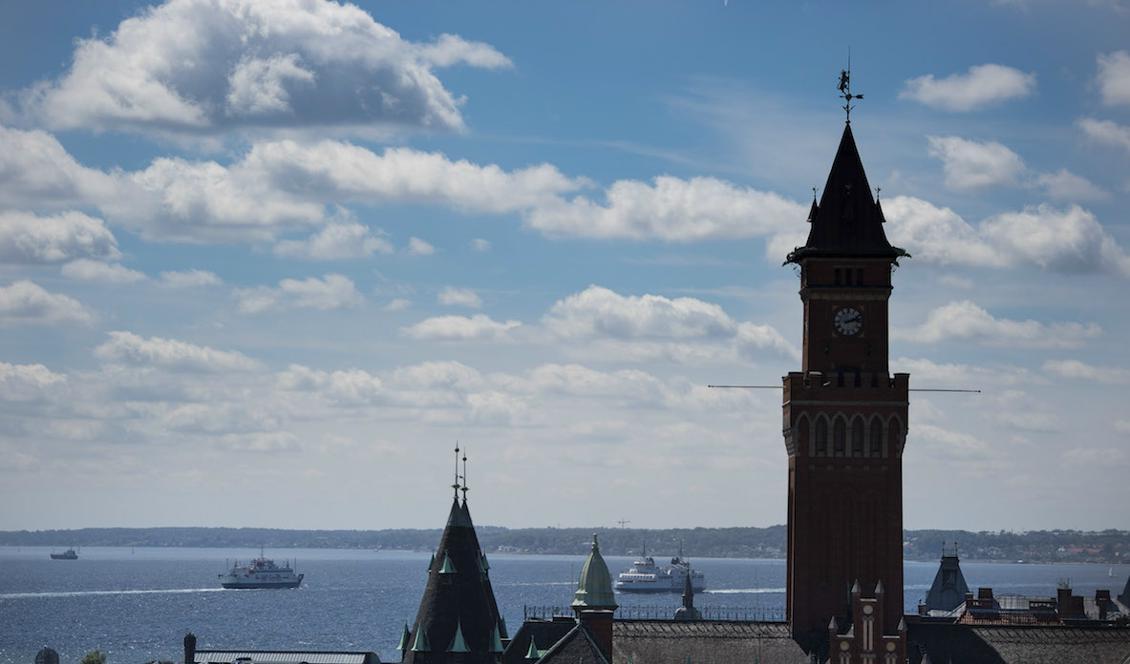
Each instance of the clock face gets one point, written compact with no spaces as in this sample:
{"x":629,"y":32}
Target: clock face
{"x":848,"y":321}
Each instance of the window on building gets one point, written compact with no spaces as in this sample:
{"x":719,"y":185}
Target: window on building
{"x":876,"y":438}
{"x":857,"y":437}
{"x":839,"y":438}
{"x":821,"y":437}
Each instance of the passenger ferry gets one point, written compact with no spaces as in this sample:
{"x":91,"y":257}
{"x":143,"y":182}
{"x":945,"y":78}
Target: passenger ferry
{"x":646,"y":577}
{"x":260,"y":573}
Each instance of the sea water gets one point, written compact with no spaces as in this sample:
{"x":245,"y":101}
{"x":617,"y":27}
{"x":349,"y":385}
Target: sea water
{"x":137,"y":605}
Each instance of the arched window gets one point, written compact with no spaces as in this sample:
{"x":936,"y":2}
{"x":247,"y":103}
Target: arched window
{"x":894,"y":436}
{"x":839,"y":437}
{"x":857,"y":437}
{"x":821,"y":436}
{"x":876,"y":437}
{"x":803,"y":435}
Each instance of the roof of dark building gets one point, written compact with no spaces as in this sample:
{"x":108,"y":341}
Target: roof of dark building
{"x":283,"y":657}
{"x":704,"y":642}
{"x":1035,"y":644}
{"x":848,"y":221}
{"x":1125,"y":596}
{"x":544,"y":633}
{"x":949,"y":587}
{"x":576,"y":647}
{"x":458,"y":601}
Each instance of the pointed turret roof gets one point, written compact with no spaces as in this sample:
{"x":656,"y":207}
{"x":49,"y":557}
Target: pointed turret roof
{"x":687,"y":610}
{"x":949,"y":587}
{"x":847,"y":221}
{"x":458,"y":618}
{"x":594,"y":588}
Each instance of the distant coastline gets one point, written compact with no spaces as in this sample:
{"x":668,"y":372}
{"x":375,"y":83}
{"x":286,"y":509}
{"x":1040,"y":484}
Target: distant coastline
{"x":1044,"y":546}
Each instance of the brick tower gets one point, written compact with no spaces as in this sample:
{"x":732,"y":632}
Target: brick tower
{"x":845,"y":423}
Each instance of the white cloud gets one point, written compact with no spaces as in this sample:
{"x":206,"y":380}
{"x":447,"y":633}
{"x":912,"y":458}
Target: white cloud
{"x":26,"y":302}
{"x":480,"y":245}
{"x":397,"y":304}
{"x":1067,"y":240}
{"x":981,"y":86}
{"x":418,"y":247}
{"x":651,"y":326}
{"x":1114,"y":78}
{"x":479,"y":327}
{"x":1066,"y":186}
{"x":1101,"y":456}
{"x":29,"y":238}
{"x":353,"y":386}
{"x":954,"y":375}
{"x":669,"y":209}
{"x":333,"y":291}
{"x":1106,"y":132}
{"x":459,"y":297}
{"x":129,"y":348}
{"x":190,"y":279}
{"x":336,"y":241}
{"x":1122,"y":426}
{"x":28,"y":382}
{"x":36,"y":171}
{"x":195,"y":66}
{"x":965,"y":320}
{"x":970,"y":164}
{"x":85,"y":269}
{"x":1076,"y":370}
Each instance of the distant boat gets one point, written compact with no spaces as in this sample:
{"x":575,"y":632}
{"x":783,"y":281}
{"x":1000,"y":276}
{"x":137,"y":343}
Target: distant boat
{"x":647,"y":577}
{"x":260,"y":573}
{"x":69,"y":554}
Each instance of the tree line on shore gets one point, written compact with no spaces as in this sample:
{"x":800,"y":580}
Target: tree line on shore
{"x":1106,"y":546}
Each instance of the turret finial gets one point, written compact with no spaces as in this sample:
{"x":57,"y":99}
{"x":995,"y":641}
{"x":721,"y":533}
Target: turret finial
{"x":456,"y":486}
{"x":845,"y":89}
{"x":465,"y":488}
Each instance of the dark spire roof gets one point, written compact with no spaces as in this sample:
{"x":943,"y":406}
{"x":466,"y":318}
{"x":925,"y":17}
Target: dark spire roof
{"x":1125,"y":596}
{"x":847,"y":221}
{"x":949,"y":587}
{"x":687,"y":610}
{"x":458,"y":617}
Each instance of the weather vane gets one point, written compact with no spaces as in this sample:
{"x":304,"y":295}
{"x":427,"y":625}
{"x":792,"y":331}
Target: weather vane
{"x":845,"y":89}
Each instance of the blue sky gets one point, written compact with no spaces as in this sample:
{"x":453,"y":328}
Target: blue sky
{"x":264,"y":263}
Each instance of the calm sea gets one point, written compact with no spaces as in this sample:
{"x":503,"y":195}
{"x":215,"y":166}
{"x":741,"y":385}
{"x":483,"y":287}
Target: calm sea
{"x":137,"y":604}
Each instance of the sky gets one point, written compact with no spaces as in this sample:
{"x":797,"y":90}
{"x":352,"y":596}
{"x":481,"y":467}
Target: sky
{"x":266,"y":263}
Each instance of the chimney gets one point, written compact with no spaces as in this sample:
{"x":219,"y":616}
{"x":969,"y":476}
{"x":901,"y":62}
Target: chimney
{"x":190,"y":648}
{"x":1063,"y":601}
{"x":598,"y":623}
{"x":1102,"y":601}
{"x":985,"y":593}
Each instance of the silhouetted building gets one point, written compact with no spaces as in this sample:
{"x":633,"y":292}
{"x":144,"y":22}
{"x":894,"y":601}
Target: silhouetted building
{"x":949,"y":588}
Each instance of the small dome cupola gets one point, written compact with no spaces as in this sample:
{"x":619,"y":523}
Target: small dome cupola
{"x":594,"y":588}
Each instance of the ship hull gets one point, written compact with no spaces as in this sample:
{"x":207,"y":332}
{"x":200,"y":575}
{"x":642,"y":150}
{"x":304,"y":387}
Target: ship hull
{"x":266,"y":585}
{"x":59,"y":556}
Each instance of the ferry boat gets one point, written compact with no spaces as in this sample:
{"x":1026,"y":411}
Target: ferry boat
{"x":69,"y":554}
{"x":260,"y":573}
{"x":646,"y":577}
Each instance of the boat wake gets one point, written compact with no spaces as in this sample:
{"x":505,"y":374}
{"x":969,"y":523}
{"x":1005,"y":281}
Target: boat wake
{"x":744,"y":591}
{"x":86,"y":593}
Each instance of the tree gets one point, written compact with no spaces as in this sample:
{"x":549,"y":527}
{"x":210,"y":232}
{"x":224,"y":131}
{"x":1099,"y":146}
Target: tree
{"x":94,"y":657}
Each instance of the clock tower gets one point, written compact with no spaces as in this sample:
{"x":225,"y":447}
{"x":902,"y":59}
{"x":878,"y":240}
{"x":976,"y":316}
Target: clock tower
{"x":845,"y":422}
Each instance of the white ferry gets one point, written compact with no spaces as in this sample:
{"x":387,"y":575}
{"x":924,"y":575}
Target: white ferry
{"x":646,"y":577}
{"x":260,"y":573}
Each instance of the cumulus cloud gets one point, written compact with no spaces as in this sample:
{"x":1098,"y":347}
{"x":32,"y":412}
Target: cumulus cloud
{"x":397,"y":304}
{"x":1064,"y":185}
{"x":25,"y":302}
{"x":190,"y":279}
{"x":649,"y":326}
{"x":479,"y":327}
{"x":333,"y":291}
{"x":979,"y":87}
{"x":28,"y":382}
{"x":964,"y":320}
{"x":418,"y":247}
{"x":971,"y":164}
{"x":204,"y":66}
{"x":1114,"y":78}
{"x":36,"y":171}
{"x":459,"y":297}
{"x":1076,"y":370}
{"x":129,"y":348}
{"x":669,"y":209}
{"x":336,"y":241}
{"x":480,"y":245}
{"x":352,"y":386}
{"x":85,"y":269}
{"x":1106,"y":132}
{"x":29,"y":238}
{"x":1065,"y":240}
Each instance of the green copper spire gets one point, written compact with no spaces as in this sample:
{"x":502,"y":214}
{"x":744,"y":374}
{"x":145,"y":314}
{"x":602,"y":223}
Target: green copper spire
{"x":420,"y":644}
{"x":432,"y":562}
{"x":447,"y":568}
{"x":594,"y":590}
{"x":495,"y":640}
{"x":404,"y":639}
{"x":533,"y":652}
{"x":457,"y":643}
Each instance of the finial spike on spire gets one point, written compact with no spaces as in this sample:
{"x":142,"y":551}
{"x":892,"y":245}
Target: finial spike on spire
{"x":465,"y":488}
{"x":456,"y":485}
